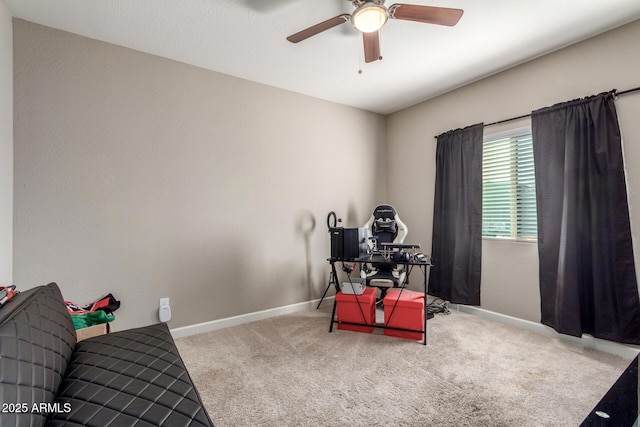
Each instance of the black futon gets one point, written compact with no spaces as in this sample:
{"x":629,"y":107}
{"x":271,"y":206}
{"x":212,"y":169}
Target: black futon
{"x":128,"y":378}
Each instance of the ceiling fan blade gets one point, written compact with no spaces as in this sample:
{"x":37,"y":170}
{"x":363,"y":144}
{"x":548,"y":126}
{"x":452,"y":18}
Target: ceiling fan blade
{"x":318,"y":28}
{"x":371,"y":46}
{"x":426,"y":14}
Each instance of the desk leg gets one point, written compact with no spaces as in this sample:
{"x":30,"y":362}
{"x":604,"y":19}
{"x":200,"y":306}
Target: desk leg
{"x":425,"y":321}
{"x":425,"y":306}
{"x":333,"y":315}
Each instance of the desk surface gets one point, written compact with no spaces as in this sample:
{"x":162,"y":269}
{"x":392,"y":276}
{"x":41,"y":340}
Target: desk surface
{"x":400,"y":245}
{"x":370,"y":259}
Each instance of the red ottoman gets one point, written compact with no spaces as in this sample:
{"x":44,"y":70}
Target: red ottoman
{"x":408,"y":313}
{"x":348,"y":310}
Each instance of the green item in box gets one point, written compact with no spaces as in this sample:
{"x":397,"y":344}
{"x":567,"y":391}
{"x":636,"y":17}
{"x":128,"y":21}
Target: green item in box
{"x":91,"y":318}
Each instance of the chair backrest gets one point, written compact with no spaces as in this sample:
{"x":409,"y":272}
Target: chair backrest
{"x":386,"y":225}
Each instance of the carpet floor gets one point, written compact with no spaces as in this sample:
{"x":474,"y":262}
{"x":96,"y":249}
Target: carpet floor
{"x":290,"y":371}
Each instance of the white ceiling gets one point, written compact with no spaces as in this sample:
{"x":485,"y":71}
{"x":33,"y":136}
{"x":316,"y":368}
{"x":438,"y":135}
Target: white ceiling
{"x":247,"y":39}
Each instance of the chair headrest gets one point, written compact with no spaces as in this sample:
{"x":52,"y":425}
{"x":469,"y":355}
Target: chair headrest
{"x":384,"y":211}
{"x":384,"y":223}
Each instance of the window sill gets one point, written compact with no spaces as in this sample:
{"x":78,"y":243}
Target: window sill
{"x":511,"y":240}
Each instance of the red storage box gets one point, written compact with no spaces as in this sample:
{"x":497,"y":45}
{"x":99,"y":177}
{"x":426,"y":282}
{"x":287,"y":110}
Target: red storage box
{"x":348,"y":311}
{"x":408,"y":313}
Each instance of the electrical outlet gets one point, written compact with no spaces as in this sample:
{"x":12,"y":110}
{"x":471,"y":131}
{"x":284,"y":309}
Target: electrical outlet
{"x":164,"y":301}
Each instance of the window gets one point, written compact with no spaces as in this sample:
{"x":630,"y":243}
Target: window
{"x":508,"y":186}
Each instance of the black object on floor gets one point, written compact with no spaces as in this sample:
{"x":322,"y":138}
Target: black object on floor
{"x":619,"y":407}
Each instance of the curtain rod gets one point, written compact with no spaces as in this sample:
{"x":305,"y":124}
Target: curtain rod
{"x":624,"y":92}
{"x":614,"y":92}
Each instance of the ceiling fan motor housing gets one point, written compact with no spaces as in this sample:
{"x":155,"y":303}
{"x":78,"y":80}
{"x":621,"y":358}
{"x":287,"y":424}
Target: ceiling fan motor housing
{"x":369,"y":16}
{"x":358,"y":3}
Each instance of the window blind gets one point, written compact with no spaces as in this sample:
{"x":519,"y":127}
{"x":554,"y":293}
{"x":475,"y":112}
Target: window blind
{"x":508,"y":188}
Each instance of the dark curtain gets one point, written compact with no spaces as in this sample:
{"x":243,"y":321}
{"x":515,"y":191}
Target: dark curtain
{"x":456,"y":249}
{"x":587,"y":271}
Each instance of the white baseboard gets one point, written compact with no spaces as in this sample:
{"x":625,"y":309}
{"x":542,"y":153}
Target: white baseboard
{"x":213,"y":325}
{"x":622,"y":350}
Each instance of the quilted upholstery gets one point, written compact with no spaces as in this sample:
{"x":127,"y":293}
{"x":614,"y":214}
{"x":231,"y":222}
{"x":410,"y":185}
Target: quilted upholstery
{"x":36,"y":342}
{"x":129,"y":378}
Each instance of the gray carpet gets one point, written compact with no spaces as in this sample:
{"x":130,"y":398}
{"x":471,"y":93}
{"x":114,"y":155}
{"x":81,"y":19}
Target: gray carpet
{"x":290,"y":371}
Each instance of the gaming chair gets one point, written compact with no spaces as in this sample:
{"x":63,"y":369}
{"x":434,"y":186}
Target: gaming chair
{"x":384,"y":226}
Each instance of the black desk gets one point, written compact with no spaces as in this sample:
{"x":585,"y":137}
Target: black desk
{"x":409,"y":265}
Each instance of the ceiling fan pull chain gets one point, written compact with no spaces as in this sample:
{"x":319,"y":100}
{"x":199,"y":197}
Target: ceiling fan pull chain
{"x":359,"y":50}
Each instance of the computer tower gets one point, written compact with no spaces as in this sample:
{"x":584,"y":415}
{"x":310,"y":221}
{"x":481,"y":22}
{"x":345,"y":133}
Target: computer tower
{"x":337,"y":242}
{"x":348,"y":243}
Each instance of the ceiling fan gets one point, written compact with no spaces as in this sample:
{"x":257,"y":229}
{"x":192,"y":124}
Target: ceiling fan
{"x":370,"y":15}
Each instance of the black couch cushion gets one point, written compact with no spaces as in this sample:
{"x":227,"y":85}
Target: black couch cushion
{"x":36,"y":342}
{"x":129,"y":378}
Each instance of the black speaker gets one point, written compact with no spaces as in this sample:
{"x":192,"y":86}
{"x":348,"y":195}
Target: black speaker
{"x":348,"y":243}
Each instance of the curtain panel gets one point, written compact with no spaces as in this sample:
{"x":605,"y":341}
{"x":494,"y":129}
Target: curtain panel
{"x":456,"y":249}
{"x":587,"y":271}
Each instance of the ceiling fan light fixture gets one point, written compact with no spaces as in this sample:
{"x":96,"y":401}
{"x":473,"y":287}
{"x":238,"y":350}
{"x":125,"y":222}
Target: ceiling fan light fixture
{"x":369,"y":17}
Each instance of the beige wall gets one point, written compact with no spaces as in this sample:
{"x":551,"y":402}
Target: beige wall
{"x":6,"y":147}
{"x":149,"y":178}
{"x":510,"y":270}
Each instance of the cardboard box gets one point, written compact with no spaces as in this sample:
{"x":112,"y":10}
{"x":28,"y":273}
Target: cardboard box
{"x":92,"y":331}
{"x":408,"y":313}
{"x":348,"y":308}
